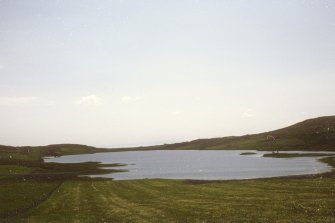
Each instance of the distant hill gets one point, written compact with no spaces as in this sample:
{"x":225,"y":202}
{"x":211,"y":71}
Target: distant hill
{"x":36,"y":152}
{"x":309,"y":135}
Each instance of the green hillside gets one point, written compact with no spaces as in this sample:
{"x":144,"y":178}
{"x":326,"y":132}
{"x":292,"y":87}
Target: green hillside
{"x":35,"y":153}
{"x":311,"y":134}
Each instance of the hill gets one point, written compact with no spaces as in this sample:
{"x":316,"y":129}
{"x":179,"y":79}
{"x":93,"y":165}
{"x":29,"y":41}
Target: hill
{"x":310,"y":135}
{"x":37,"y":152}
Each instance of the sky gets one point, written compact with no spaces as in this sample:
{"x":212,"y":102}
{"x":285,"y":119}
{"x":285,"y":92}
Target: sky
{"x":123,"y":73}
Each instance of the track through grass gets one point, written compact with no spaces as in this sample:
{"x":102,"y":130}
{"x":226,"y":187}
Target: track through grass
{"x":272,"y":200}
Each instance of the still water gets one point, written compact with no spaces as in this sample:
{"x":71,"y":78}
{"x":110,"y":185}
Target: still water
{"x":195,"y":164}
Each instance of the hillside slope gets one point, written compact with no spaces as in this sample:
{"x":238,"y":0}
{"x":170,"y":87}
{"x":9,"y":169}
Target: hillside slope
{"x":311,"y":134}
{"x":37,"y":152}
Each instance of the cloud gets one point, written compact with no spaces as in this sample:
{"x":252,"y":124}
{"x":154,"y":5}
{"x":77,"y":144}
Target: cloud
{"x":248,"y":113}
{"x":127,"y":99}
{"x":11,"y":101}
{"x":89,"y":100}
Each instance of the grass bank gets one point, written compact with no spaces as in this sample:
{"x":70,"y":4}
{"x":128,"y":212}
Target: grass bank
{"x":248,"y":153}
{"x":294,"y":155}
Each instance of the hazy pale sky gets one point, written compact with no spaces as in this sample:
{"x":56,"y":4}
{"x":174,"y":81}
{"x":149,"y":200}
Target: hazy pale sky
{"x":124,"y":73}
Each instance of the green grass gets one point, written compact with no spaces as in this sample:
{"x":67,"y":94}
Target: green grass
{"x":19,"y":194}
{"x":291,"y":199}
{"x":26,"y":181}
{"x":5,"y":156}
{"x":28,"y":153}
{"x":316,"y":134}
{"x":248,"y":153}
{"x":329,"y":160}
{"x":272,"y":200}
{"x":51,"y":192}
{"x":13,"y":169}
{"x":294,"y":155}
{"x":309,"y":135}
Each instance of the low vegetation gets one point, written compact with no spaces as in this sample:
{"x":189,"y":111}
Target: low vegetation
{"x":273,"y":200}
{"x":35,"y":153}
{"x":34,"y":191}
{"x":19,"y":194}
{"x":309,"y":135}
{"x":53,"y":192}
{"x":294,"y":155}
{"x":248,"y":153}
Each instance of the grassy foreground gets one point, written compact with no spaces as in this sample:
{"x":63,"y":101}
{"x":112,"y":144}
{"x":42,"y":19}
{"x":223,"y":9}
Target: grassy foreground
{"x":34,"y":191}
{"x":270,"y":200}
{"x":73,"y":199}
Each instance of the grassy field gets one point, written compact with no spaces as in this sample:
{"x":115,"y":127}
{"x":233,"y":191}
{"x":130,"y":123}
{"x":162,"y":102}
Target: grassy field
{"x":34,"y":191}
{"x":19,"y":193}
{"x":271,"y":200}
{"x":26,"y":180}
{"x":14,"y":169}
{"x":47,"y":192}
